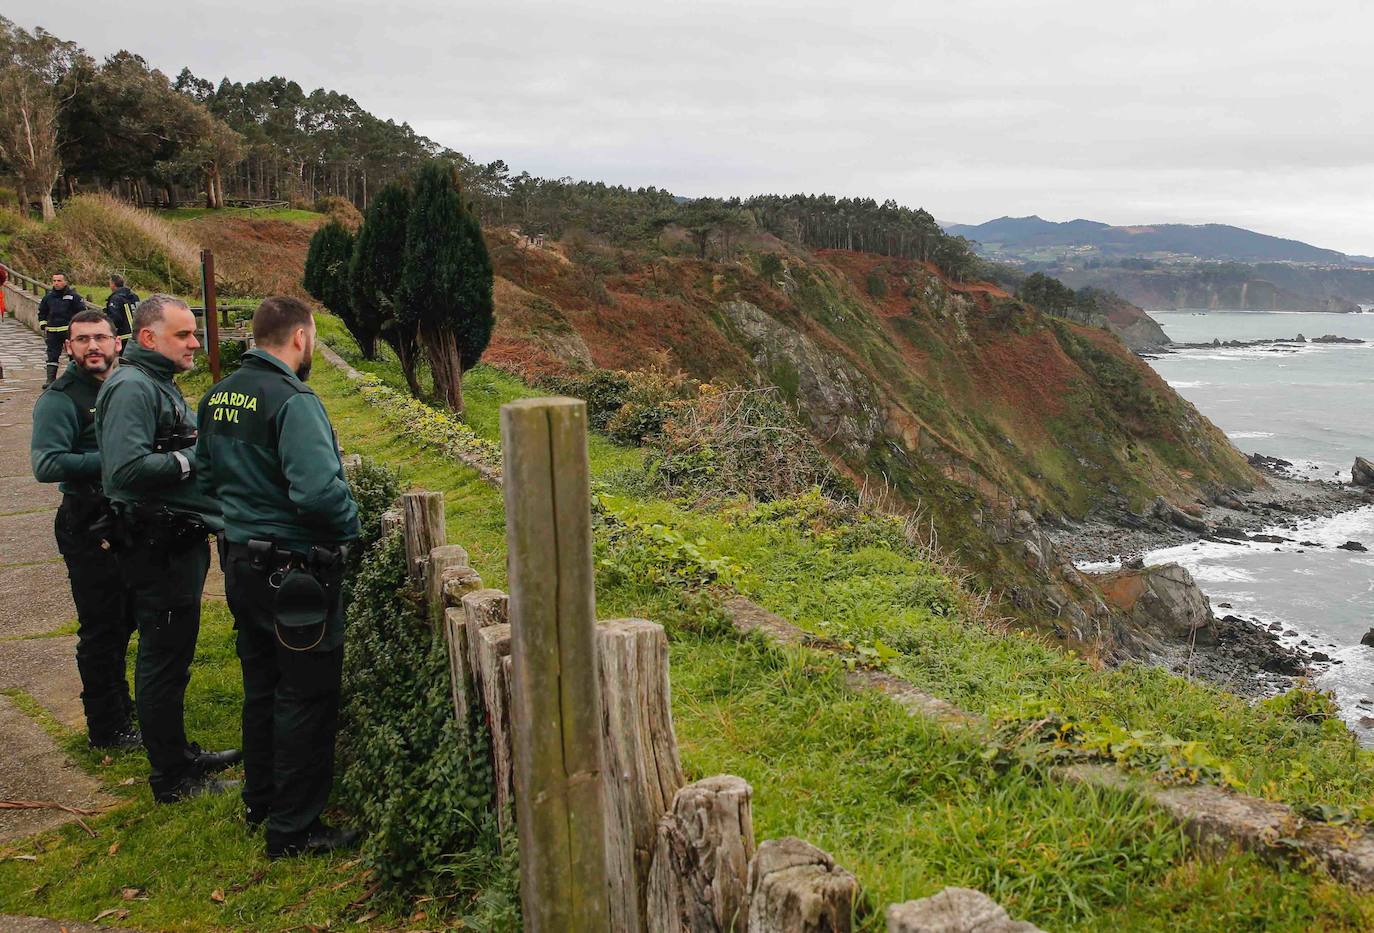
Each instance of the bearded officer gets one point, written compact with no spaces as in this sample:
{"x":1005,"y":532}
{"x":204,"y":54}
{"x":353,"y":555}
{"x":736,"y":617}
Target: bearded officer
{"x":148,"y":469}
{"x":267,"y":453}
{"x":64,"y":451}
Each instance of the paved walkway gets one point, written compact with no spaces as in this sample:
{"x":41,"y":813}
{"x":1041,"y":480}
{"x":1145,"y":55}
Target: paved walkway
{"x":34,"y":602}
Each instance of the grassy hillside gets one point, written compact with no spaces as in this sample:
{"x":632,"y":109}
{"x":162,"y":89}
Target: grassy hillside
{"x":257,"y":252}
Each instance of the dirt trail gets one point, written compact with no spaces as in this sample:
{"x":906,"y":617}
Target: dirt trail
{"x":34,"y":602}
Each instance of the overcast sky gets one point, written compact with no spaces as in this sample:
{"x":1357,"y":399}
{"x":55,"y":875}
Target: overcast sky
{"x":1252,"y":113}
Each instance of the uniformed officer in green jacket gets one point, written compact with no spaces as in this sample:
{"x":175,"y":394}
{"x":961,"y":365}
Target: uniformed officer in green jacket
{"x":148,"y":469}
{"x":64,"y":451}
{"x":267,"y":453}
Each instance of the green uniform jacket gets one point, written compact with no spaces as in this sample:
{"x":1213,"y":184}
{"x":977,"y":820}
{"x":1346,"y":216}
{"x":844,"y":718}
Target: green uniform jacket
{"x":138,"y":403}
{"x":63,"y":449}
{"x":267,"y":452}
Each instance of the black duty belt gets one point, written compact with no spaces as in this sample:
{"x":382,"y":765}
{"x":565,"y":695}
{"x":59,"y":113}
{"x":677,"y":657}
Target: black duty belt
{"x":275,"y":561}
{"x":304,"y":586}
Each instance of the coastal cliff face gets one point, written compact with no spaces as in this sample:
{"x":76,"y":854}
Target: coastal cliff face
{"x":1207,"y":288}
{"x":980,"y":412}
{"x":901,"y":374}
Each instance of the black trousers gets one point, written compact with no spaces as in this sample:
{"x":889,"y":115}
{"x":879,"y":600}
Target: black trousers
{"x":104,"y":614}
{"x":290,"y":703}
{"x":55,"y":342}
{"x":165,"y":585}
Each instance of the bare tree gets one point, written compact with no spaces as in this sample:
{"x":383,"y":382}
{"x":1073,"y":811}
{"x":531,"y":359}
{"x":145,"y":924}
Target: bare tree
{"x":31,"y":68}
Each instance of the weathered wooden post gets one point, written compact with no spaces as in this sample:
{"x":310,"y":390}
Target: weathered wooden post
{"x":699,"y":878}
{"x":424,"y":528}
{"x":795,"y":887}
{"x":207,"y":290}
{"x":557,"y":743}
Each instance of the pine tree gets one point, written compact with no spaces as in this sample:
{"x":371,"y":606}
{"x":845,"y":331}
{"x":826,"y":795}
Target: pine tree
{"x":446,"y":280}
{"x":374,"y":274}
{"x":326,"y":279}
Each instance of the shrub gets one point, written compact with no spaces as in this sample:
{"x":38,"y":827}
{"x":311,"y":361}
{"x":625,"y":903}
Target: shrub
{"x":340,"y":209}
{"x":627,"y":406}
{"x":770,"y":267}
{"x":877,"y":285}
{"x":647,"y":405}
{"x":603,"y":390}
{"x":375,"y":488}
{"x":416,"y":779}
{"x":730,"y":443}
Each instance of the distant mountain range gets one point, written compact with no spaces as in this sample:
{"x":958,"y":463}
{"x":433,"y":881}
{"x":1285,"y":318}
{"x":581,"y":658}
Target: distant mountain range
{"x":1035,"y":239}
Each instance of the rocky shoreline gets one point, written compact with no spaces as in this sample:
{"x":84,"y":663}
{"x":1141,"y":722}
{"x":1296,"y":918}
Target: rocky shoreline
{"x":1276,"y":345}
{"x":1248,"y":656}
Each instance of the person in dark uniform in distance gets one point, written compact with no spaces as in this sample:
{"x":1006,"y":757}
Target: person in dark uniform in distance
{"x":268,"y":454}
{"x":64,"y":451}
{"x":148,"y":466}
{"x":55,"y":313}
{"x":120,"y":307}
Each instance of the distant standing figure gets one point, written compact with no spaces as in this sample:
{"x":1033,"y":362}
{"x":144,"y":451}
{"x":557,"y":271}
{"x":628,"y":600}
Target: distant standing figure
{"x":120,"y":308}
{"x":55,"y":313}
{"x":4,"y":277}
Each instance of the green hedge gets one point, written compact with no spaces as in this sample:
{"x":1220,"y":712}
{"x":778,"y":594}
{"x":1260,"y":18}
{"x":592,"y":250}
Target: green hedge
{"x":416,"y":779}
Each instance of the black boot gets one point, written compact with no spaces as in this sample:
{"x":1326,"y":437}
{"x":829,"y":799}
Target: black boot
{"x":52,"y":375}
{"x":203,"y":762}
{"x":194,"y":786}
{"x":319,"y":839}
{"x":126,"y":739}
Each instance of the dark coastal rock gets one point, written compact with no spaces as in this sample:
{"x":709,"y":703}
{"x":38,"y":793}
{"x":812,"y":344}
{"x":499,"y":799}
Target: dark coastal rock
{"x":1271,"y":539}
{"x":1273,"y":464}
{"x":1226,"y":531}
{"x":1332,"y":338}
{"x":1362,"y":473}
{"x":1320,"y":656}
{"x":1287,"y":665}
{"x":1368,"y":638}
{"x":1174,"y":515}
{"x":1352,"y":546}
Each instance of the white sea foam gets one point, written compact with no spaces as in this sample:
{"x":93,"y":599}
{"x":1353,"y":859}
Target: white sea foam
{"x":1249,"y":434}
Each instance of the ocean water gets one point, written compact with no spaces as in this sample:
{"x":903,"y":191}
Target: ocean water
{"x":1309,"y":405}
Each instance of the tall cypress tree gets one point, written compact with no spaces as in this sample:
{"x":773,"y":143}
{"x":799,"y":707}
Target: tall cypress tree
{"x":326,"y":279}
{"x":446,"y":280}
{"x":375,"y":275}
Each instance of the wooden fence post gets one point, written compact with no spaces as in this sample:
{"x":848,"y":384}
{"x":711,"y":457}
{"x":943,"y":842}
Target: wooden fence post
{"x":424,"y":528}
{"x":700,"y":874}
{"x":795,"y":887}
{"x":442,"y":559}
{"x":642,"y":770}
{"x":557,"y":744}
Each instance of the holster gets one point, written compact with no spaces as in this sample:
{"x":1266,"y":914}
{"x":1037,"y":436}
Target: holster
{"x":304,"y":588}
{"x":156,"y":527}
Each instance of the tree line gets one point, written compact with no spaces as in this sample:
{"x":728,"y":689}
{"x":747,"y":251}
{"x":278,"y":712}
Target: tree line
{"x":68,"y":121}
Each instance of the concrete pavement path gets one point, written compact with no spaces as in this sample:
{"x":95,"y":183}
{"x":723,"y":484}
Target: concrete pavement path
{"x":35,"y":602}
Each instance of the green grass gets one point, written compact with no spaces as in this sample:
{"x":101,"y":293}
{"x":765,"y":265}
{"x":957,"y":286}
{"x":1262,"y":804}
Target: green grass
{"x":176,"y":856}
{"x":254,"y":213}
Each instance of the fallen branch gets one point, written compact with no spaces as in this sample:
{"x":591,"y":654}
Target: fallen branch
{"x":77,"y":812}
